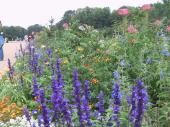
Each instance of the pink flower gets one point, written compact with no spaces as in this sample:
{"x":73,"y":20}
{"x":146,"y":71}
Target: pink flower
{"x":168,"y":28}
{"x":146,"y":7}
{"x":132,"y":30}
{"x":123,"y":11}
{"x":157,"y":22}
{"x":65,"y":26}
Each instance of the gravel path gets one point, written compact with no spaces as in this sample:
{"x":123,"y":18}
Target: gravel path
{"x":10,"y":49}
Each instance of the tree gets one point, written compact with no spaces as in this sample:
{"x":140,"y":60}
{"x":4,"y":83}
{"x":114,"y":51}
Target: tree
{"x":34,"y":28}
{"x":14,"y":32}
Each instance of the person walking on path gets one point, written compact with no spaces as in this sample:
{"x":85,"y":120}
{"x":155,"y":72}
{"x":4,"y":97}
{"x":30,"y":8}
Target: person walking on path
{"x":2,"y":40}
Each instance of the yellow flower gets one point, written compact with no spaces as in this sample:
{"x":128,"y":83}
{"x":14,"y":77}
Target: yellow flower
{"x":80,"y":49}
{"x":107,"y":59}
{"x":65,"y":61}
{"x":13,"y":115}
{"x":91,"y":106}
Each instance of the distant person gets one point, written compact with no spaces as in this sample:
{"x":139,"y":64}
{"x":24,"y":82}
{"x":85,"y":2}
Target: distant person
{"x":30,"y":38}
{"x":2,"y":41}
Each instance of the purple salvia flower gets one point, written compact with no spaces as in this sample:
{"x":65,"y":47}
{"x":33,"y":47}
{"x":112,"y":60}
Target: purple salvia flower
{"x":138,"y":101}
{"x":77,"y":95}
{"x":49,"y":52}
{"x":60,"y":105}
{"x":66,"y":113}
{"x":45,"y":115}
{"x":39,"y":70}
{"x":101,"y":103}
{"x":122,"y":63}
{"x":41,"y":94}
{"x":11,"y":70}
{"x":35,"y":87}
{"x":149,"y":61}
{"x":34,"y":112}
{"x":116,"y":75}
{"x":142,"y":97}
{"x":45,"y":111}
{"x":87,"y":90}
{"x":40,"y":120}
{"x":55,"y":99}
{"x":27,"y":115}
{"x":59,"y":75}
{"x":117,"y":101}
{"x":132,"y":102}
{"x":86,"y":111}
{"x":35,"y":63}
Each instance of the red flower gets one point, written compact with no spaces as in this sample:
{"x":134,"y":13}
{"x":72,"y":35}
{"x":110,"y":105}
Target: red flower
{"x":157,"y":22}
{"x":86,"y":65}
{"x":168,"y":28}
{"x":65,"y":26}
{"x":146,"y":7}
{"x":123,"y":11}
{"x":132,"y":30}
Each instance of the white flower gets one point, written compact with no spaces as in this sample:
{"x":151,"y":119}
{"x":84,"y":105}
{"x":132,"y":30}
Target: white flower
{"x":12,"y":121}
{"x":82,"y":28}
{"x":43,"y":46}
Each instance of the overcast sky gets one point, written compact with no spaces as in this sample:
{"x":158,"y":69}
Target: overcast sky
{"x":28,"y":12}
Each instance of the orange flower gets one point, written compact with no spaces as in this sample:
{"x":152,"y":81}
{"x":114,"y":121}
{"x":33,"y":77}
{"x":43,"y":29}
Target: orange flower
{"x":13,"y":105}
{"x":94,"y":81}
{"x":86,"y":65}
{"x":5,"y":110}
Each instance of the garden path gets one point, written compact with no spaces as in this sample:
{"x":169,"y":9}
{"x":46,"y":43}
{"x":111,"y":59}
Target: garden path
{"x":10,"y":49}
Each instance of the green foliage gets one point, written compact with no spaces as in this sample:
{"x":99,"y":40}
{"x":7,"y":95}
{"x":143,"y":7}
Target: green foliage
{"x":14,"y":32}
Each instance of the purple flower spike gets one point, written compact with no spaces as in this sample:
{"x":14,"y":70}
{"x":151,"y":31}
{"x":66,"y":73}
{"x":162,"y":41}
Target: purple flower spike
{"x":139,"y":101}
{"x":101,"y":103}
{"x":87,"y":90}
{"x":77,"y":95}
{"x":117,"y":101}
{"x":35,"y":87}
{"x":27,"y":115}
{"x":11,"y":70}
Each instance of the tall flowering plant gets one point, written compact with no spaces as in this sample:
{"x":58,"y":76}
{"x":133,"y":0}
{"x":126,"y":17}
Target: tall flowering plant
{"x":116,"y":98}
{"x":138,"y":102}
